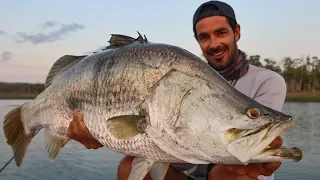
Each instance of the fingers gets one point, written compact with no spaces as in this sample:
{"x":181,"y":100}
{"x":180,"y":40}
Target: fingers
{"x":254,"y":170}
{"x":78,"y":131}
{"x":73,"y":124}
{"x":253,"y":174}
{"x":230,"y":167}
{"x":71,"y":129}
{"x":92,"y":145}
{"x":96,"y":146}
{"x":77,"y":115}
{"x":277,"y":142}
{"x":241,"y":170}
{"x":88,"y":146}
{"x":251,"y":170}
{"x":271,"y":167}
{"x":79,"y":123}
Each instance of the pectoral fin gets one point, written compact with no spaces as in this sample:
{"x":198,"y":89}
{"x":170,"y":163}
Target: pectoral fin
{"x":126,"y":127}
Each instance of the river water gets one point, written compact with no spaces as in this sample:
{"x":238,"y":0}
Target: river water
{"x":75,"y":162}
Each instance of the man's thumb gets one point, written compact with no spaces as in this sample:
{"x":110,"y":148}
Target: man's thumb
{"x":77,"y":115}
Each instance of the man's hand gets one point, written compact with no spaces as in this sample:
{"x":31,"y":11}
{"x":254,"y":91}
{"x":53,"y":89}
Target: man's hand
{"x":79,"y":132}
{"x":256,"y":169}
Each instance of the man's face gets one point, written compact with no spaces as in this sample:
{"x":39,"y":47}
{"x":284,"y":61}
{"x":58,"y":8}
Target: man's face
{"x":217,"y":41}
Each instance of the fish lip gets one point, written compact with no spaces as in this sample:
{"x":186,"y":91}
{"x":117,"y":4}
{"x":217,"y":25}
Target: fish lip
{"x":248,"y":145}
{"x":284,"y":119}
{"x":255,"y":149}
{"x":293,"y":153}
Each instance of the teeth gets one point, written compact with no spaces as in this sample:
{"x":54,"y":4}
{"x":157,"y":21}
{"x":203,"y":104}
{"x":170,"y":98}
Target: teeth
{"x":219,"y":53}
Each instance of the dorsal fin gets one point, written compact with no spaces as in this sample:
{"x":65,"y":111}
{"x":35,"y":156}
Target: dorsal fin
{"x":119,"y":40}
{"x":61,"y":65}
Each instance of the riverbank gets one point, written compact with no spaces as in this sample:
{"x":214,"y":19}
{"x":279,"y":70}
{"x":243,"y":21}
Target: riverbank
{"x":291,"y":97}
{"x":5,"y":96}
{"x":303,"y":97}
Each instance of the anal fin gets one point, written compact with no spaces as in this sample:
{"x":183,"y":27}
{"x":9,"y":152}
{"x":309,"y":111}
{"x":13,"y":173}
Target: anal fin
{"x":159,"y":170}
{"x":140,"y":168}
{"x":54,"y":143}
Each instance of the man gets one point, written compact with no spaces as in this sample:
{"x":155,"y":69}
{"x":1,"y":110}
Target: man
{"x":217,"y":32}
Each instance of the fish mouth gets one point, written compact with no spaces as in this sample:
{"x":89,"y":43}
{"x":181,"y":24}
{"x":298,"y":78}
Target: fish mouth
{"x":279,"y":153}
{"x":275,"y":129}
{"x":254,"y":145}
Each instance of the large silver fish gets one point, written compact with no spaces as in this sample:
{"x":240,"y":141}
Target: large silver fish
{"x":155,"y":101}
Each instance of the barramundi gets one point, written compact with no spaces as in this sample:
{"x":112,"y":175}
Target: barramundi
{"x":155,"y":101}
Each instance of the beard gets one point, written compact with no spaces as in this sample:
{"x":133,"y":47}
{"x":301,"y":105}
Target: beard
{"x":231,"y":59}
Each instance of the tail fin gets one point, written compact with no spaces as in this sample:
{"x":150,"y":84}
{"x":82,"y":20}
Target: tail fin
{"x":14,"y":132}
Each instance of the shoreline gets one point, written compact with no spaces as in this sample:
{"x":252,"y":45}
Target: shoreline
{"x":303,"y":97}
{"x":291,"y":97}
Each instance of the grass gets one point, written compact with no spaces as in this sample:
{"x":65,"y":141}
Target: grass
{"x":17,"y":96}
{"x":303,"y":97}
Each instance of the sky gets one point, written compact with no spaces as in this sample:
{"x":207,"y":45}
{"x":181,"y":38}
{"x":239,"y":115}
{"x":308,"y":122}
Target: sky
{"x":35,"y":33}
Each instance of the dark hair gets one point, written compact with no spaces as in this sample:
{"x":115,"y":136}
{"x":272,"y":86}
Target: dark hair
{"x":232,"y":23}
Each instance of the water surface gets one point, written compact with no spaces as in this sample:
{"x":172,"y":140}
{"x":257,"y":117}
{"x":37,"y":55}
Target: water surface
{"x":75,"y":162}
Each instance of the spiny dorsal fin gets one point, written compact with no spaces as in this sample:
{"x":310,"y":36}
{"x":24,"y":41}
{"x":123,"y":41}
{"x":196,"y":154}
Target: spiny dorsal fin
{"x":119,"y":40}
{"x":61,"y":64}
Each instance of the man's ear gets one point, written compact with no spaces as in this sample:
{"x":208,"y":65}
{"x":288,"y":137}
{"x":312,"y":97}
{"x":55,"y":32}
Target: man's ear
{"x":237,"y":33}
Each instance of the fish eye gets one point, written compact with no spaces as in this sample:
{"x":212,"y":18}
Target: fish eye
{"x":253,"y":113}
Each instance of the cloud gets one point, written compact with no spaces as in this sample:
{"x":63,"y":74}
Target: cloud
{"x":5,"y":34}
{"x":6,"y":56}
{"x":49,"y":24}
{"x":2,"y":32}
{"x":52,"y":36}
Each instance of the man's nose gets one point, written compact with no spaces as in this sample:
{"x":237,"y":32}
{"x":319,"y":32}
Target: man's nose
{"x":214,"y":43}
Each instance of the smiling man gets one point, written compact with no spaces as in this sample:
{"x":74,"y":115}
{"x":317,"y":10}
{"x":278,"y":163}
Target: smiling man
{"x":217,"y":33}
